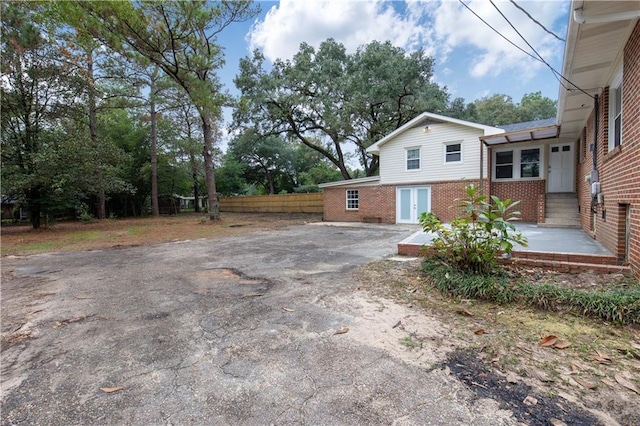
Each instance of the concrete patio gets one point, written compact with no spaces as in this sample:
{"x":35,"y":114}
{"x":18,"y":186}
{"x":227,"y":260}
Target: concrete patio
{"x":563,"y":249}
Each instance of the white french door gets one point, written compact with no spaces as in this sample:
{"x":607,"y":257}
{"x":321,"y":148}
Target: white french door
{"x":411,"y":202}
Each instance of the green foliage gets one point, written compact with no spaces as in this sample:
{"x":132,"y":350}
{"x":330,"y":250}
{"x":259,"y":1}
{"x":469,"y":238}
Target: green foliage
{"x":617,"y":305}
{"x":84,"y":214}
{"x":499,"y":109}
{"x":474,"y":239}
{"x":327,"y":98}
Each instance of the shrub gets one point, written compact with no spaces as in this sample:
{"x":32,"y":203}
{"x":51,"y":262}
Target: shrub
{"x":474,"y":239}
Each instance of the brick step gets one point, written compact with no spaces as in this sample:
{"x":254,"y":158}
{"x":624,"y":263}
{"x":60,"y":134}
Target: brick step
{"x":569,"y":267}
{"x":594,"y":259}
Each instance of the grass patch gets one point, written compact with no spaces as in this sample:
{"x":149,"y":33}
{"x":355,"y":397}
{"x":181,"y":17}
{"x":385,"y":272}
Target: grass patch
{"x":619,"y":305}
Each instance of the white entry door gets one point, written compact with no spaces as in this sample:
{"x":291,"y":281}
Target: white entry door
{"x":411,"y":202}
{"x":561,"y":168}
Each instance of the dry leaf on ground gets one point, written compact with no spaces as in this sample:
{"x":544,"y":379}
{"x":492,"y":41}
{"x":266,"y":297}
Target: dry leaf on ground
{"x":111,"y":390}
{"x":586,"y":384}
{"x":561,"y":344}
{"x":479,"y":332}
{"x":342,"y":330}
{"x":626,"y":383}
{"x":549,"y":340}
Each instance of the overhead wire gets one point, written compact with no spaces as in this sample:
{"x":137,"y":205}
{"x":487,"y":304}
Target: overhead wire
{"x":536,"y":21}
{"x":538,"y":58}
{"x":555,"y":72}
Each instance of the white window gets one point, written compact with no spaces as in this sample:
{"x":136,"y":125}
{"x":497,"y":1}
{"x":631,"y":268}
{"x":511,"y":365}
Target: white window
{"x":413,"y":158}
{"x":352,"y":199}
{"x":453,"y":152}
{"x":521,"y":163}
{"x":615,"y":111}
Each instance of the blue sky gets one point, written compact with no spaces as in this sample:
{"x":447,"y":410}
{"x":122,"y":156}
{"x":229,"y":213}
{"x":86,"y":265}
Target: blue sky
{"x":471,"y":59}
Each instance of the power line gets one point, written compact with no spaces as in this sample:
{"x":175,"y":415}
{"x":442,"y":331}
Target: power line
{"x":534,"y":20}
{"x":528,"y":44}
{"x":539,"y":58}
{"x":498,"y":32}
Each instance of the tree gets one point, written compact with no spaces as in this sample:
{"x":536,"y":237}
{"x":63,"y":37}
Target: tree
{"x":496,"y":110}
{"x":180,"y":38}
{"x":534,"y":106}
{"x":268,"y":161}
{"x":328,"y":98}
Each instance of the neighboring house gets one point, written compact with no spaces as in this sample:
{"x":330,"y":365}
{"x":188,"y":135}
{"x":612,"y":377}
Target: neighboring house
{"x":422,"y":167}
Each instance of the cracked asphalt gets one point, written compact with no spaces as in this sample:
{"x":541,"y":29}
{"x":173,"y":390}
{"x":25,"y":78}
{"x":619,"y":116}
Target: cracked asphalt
{"x":224,"y":331}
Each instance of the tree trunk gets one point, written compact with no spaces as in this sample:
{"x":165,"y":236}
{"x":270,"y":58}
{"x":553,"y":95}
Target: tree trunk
{"x":196,"y":192}
{"x":33,"y":202}
{"x":93,"y":131}
{"x":212,"y":196}
{"x":155,"y":210}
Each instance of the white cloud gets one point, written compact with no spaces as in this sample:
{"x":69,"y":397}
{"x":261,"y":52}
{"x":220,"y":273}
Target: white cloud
{"x":353,"y":23}
{"x":457,"y":27}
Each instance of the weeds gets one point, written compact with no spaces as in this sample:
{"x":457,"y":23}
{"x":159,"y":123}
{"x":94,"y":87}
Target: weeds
{"x":617,"y":305}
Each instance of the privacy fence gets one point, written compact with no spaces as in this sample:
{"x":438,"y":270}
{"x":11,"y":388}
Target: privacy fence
{"x":282,"y":203}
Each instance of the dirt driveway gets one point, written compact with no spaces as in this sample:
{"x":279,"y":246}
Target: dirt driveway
{"x":262,"y":328}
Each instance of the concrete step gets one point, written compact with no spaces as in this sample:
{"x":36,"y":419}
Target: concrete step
{"x":563,"y":215}
{"x":558,"y":225}
{"x":561,"y":195}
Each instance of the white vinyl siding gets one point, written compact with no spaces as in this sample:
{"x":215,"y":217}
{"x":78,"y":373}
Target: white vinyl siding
{"x":432,"y":143}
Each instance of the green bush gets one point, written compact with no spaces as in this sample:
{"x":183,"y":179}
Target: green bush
{"x":474,"y":239}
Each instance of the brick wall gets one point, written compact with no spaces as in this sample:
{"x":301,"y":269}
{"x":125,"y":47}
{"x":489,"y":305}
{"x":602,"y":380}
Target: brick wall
{"x":378,"y":203}
{"x":528,"y":192}
{"x":619,"y":169}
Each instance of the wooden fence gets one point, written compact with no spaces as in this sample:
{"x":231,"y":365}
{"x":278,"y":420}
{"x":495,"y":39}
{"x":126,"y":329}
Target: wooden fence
{"x":282,"y":203}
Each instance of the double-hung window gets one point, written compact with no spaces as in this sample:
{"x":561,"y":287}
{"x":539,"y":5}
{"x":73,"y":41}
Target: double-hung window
{"x":453,"y":152}
{"x":615,"y":111}
{"x":353,"y":202}
{"x":530,"y":163}
{"x":413,"y":158}
{"x":504,"y":165}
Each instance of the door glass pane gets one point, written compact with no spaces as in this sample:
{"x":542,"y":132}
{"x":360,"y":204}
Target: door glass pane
{"x":405,"y":204}
{"x":423,"y":201}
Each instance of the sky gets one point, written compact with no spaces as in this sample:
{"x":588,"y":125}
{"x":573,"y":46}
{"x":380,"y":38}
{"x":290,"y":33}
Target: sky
{"x":471,"y":60}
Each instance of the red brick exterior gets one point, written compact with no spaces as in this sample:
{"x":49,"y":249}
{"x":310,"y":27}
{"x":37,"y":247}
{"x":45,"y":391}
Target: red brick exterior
{"x":530,"y":193}
{"x":378,"y":203}
{"x":619,"y":169}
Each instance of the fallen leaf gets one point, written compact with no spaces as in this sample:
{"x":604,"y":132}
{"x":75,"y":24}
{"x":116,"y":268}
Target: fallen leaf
{"x":529,"y":400}
{"x":575,"y":368}
{"x":561,"y":344}
{"x":398,"y":324}
{"x":253,"y":295}
{"x":512,"y":378}
{"x":549,"y":340}
{"x":524,"y":348}
{"x":464,"y":312}
{"x":111,"y":390}
{"x":608,"y":383}
{"x":585,"y":384}
{"x":288,"y":309}
{"x":626,"y":383}
{"x":479,"y":332}
{"x":556,"y":422}
{"x":342,"y":330}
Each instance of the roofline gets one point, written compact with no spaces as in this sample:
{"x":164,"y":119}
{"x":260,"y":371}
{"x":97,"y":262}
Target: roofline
{"x":486,"y":139}
{"x":348,"y":182}
{"x":488,"y":130}
{"x":567,"y":60}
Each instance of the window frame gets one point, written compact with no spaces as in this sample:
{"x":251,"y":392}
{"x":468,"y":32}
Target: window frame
{"x":615,"y":109}
{"x":517,"y":163}
{"x":407,"y":159}
{"x":446,"y":153}
{"x":349,"y":197}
